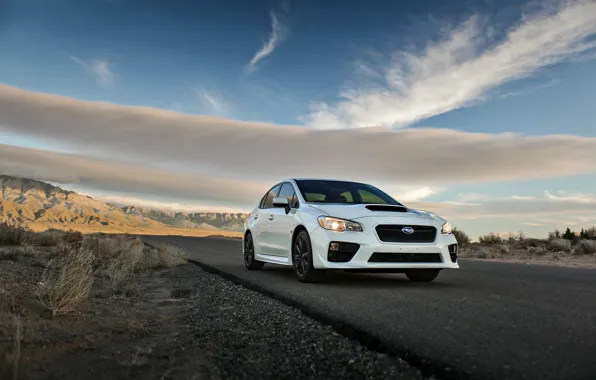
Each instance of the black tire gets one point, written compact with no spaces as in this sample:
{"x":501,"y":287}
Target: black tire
{"x":302,"y":260}
{"x":249,"y":254}
{"x":422,"y":275}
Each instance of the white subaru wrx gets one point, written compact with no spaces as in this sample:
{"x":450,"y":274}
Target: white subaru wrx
{"x":315,"y":225}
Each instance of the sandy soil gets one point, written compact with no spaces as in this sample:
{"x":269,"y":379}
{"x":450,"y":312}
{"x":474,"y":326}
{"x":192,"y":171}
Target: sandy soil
{"x":110,"y":337}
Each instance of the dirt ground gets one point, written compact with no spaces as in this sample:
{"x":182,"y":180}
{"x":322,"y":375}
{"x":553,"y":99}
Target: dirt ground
{"x":110,"y":337}
{"x":529,"y":253}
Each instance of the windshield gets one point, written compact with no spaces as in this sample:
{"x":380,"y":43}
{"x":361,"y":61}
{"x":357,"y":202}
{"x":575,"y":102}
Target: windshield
{"x":321,"y":191}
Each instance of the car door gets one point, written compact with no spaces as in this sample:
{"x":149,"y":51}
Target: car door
{"x":282,"y":224}
{"x":261,"y":233}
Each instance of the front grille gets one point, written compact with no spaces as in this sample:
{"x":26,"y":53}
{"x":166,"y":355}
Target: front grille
{"x":404,"y":257}
{"x":392,"y":233}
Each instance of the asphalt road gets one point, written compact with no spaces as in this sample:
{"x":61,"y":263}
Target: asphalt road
{"x":482,"y":321}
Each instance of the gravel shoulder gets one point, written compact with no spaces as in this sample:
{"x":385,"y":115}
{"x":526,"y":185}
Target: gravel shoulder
{"x":177,"y":323}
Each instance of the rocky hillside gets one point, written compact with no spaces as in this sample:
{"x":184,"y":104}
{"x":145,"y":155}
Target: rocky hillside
{"x":41,"y":205}
{"x":202,"y":220}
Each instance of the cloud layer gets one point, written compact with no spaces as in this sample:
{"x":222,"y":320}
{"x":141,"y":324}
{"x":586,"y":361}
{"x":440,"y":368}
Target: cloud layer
{"x":265,"y":152}
{"x":167,"y":190}
{"x":121,"y":178}
{"x":461,"y":68}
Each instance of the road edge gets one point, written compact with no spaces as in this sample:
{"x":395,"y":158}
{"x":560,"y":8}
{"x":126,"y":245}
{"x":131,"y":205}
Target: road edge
{"x":346,"y":329}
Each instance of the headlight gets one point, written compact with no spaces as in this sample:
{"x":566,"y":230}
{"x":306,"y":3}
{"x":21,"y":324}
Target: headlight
{"x":446,"y":229}
{"x":339,"y":225}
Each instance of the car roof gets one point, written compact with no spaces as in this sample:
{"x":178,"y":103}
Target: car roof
{"x":319,"y":179}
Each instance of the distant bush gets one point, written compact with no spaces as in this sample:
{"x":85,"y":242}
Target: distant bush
{"x":461,"y":237}
{"x":49,"y":238}
{"x":559,"y":245}
{"x":586,"y":247}
{"x":12,"y":234}
{"x":537,"y":250}
{"x":556,"y":234}
{"x":589,"y":234}
{"x":504,"y":248}
{"x":490,"y":239}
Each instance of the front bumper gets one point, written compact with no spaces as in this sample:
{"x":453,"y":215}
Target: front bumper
{"x":370,"y":244}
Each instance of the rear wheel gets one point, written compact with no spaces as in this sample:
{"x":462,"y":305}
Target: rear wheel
{"x":422,"y":275}
{"x":249,"y":254}
{"x":302,"y":260}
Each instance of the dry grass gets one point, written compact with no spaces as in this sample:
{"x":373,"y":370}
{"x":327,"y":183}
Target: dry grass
{"x":66,"y":280}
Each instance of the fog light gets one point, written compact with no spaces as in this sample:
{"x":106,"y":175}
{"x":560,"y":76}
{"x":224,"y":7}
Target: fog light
{"x":334,"y":247}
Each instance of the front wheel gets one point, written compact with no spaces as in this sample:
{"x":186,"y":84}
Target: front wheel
{"x":422,"y":275}
{"x":303,"y":261}
{"x":249,"y":254}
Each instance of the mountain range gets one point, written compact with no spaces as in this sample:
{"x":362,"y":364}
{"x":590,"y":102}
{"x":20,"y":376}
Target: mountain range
{"x":40,"y":205}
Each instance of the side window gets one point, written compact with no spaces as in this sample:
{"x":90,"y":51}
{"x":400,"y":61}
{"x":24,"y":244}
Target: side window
{"x":287,"y":190}
{"x":348,"y":196}
{"x":268,"y":202}
{"x":369,"y":197}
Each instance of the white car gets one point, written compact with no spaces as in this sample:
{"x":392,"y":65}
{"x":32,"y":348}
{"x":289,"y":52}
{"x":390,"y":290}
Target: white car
{"x":316,"y":225}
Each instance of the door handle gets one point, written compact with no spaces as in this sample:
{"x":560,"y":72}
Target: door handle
{"x":270,"y":217}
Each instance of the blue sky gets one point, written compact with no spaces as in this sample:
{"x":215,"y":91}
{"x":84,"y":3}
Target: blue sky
{"x":468,"y":66}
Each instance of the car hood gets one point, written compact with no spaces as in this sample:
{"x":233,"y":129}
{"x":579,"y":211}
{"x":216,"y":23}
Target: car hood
{"x":351,"y":212}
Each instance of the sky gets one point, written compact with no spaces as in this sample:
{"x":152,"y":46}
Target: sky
{"x":481,"y":111}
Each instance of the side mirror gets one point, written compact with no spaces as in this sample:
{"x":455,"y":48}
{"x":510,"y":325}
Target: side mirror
{"x":282,"y":202}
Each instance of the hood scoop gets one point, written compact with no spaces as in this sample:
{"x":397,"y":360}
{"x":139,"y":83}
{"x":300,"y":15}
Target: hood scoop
{"x":387,"y":208}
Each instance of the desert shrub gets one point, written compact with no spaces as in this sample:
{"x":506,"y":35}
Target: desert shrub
{"x":13,"y":253}
{"x":49,"y":238}
{"x":107,"y":249}
{"x":461,"y":237}
{"x":589,"y":233}
{"x":124,"y":264}
{"x":12,"y":234}
{"x":481,"y":255}
{"x":559,"y":244}
{"x":504,"y":248}
{"x":72,"y":237}
{"x":568,"y":234}
{"x":536,"y":250}
{"x":163,"y":256}
{"x":586,"y":247}
{"x":491,"y":238}
{"x":66,"y":280}
{"x":556,"y":234}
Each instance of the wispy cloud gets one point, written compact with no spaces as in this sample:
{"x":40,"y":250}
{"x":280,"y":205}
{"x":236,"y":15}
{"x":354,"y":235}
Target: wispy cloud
{"x":462,"y":68}
{"x":214,"y":104}
{"x":100,"y":69}
{"x":279,"y":31}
